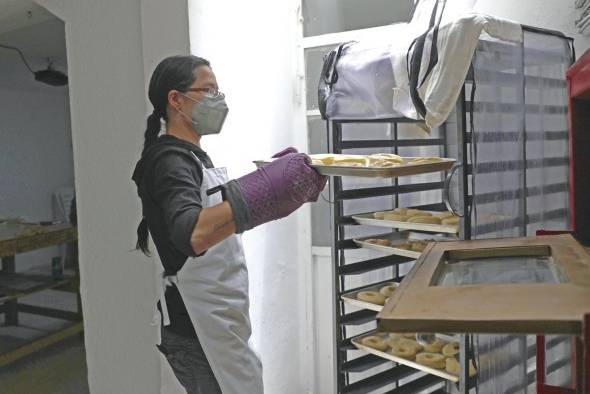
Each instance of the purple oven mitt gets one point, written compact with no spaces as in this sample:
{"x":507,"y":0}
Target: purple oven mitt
{"x":274,"y":190}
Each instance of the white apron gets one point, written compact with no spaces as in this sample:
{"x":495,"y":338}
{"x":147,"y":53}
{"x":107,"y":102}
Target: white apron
{"x":214,"y":288}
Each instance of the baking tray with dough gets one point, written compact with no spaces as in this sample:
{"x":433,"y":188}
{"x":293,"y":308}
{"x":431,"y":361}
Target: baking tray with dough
{"x":407,"y":244}
{"x":370,"y":220}
{"x":351,"y":298}
{"x":384,"y":169}
{"x":357,"y":342}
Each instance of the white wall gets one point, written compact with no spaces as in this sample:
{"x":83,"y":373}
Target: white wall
{"x":550,"y":14}
{"x":253,"y":51}
{"x":111,"y":46}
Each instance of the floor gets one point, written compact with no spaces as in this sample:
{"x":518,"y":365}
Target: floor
{"x":57,"y":369}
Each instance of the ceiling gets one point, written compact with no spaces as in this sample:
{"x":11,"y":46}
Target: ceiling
{"x":40,"y":36}
{"x":15,"y":14}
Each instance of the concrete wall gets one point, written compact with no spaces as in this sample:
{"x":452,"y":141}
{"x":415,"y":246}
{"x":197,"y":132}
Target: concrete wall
{"x":111,"y":47}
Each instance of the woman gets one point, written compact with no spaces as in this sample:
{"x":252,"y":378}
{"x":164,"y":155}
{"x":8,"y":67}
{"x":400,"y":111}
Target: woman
{"x":194,"y":213}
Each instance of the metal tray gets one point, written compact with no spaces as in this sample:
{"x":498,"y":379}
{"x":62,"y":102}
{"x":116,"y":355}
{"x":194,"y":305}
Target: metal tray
{"x":350,"y":298}
{"x":369,"y":220}
{"x":398,"y":238}
{"x":356,"y":341}
{"x":376,"y":172}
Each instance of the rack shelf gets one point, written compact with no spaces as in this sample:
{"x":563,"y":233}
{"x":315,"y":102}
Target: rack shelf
{"x":14,"y":286}
{"x":15,"y":238}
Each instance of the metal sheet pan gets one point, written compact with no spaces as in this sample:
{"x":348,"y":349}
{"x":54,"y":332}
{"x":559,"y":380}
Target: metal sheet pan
{"x":397,"y":238}
{"x":356,"y":341}
{"x":377,"y":172}
{"x":369,"y":220}
{"x":350,"y":298}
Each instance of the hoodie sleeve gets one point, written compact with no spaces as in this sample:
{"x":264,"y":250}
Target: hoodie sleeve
{"x":177,"y":190}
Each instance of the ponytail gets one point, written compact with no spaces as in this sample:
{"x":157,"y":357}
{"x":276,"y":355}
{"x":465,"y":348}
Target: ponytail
{"x":142,"y":237}
{"x":150,"y":137}
{"x":152,"y":130}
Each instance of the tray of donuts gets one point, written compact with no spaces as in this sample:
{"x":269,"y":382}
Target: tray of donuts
{"x":378,"y":165}
{"x":438,"y":358}
{"x":371,"y":297}
{"x":408,"y":244}
{"x":412,"y":219}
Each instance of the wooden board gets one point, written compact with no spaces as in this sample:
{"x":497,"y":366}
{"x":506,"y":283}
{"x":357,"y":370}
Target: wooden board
{"x":356,"y":341}
{"x":379,"y":172}
{"x":369,"y":220}
{"x":420,"y":305}
{"x":13,"y":242}
{"x":351,"y":298}
{"x":38,"y":344}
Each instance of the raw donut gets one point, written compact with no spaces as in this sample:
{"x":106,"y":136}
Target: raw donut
{"x":377,"y":241}
{"x":424,"y":160}
{"x":406,"y":342}
{"x":451,"y":349}
{"x":386,"y":156}
{"x":371,"y":296}
{"x":400,"y":211}
{"x":404,"y":351}
{"x":451,"y":220}
{"x":394,"y":337}
{"x":387,"y":291}
{"x":417,"y":212}
{"x":435,"y":347}
{"x":375,"y":342}
{"x":418,"y":246}
{"x":330,"y":159}
{"x":452,"y":366}
{"x":379,"y":215}
{"x":424,"y":219}
{"x":384,"y":160}
{"x":433,"y":360}
{"x":395,"y":217}
{"x":444,"y":215}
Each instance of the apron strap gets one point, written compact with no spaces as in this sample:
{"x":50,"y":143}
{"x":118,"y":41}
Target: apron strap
{"x":166,"y":281}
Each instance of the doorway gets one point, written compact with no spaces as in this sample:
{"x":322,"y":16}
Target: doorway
{"x":40,"y":313}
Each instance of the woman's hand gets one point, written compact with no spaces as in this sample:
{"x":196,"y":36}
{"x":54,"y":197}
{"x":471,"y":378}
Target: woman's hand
{"x":275,"y":190}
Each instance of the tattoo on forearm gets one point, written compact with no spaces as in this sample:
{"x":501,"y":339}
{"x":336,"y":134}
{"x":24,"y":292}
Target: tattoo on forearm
{"x":219,"y":226}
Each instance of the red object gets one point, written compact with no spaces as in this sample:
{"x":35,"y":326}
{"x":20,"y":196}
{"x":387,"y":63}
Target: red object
{"x":552,"y":232}
{"x":578,"y":82}
{"x":580,"y":384}
{"x":586,"y":354}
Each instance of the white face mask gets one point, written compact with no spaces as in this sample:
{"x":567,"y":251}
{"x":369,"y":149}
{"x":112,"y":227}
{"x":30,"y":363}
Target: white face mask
{"x":208,"y":115}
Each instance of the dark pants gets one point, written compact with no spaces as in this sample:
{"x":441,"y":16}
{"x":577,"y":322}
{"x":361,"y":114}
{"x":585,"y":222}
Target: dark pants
{"x":189,"y":363}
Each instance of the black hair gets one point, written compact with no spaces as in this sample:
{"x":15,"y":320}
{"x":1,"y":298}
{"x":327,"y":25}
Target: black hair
{"x":172,"y":73}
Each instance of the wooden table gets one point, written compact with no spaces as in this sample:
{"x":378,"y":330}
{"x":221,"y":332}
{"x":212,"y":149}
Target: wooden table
{"x":17,"y":238}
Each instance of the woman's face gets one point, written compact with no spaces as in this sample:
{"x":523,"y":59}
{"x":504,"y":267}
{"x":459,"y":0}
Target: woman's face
{"x":205,"y":83}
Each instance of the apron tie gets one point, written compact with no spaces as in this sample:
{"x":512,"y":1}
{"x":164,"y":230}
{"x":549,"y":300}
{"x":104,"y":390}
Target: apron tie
{"x":166,"y":281}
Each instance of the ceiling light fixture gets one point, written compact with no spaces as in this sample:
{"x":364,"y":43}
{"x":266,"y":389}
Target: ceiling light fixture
{"x":48,"y":76}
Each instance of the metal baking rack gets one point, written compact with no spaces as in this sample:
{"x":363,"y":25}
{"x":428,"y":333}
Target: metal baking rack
{"x":454,"y":140}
